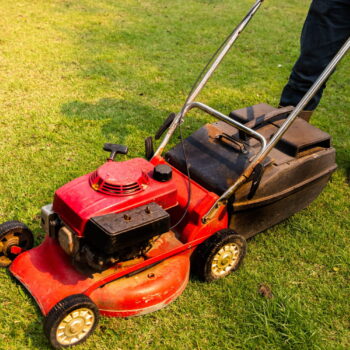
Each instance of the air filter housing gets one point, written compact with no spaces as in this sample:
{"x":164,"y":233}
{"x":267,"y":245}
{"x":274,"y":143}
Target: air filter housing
{"x":113,"y":232}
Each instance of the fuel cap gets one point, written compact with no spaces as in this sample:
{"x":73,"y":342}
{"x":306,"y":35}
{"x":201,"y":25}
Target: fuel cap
{"x":162,"y":172}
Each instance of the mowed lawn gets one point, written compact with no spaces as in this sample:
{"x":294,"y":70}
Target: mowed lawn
{"x":75,"y":74}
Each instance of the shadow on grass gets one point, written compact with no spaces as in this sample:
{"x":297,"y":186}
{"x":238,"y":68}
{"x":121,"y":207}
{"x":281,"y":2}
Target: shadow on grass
{"x":121,"y":117}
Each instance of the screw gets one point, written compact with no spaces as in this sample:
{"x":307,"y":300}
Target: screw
{"x":127,"y":217}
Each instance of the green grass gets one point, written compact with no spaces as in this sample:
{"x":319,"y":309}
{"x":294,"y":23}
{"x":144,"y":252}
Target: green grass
{"x":76,"y":74}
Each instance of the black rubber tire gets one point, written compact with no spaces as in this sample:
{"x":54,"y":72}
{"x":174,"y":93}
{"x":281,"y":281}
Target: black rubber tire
{"x":203,"y":256}
{"x":61,"y":310}
{"x":149,"y":150}
{"x":14,"y":228}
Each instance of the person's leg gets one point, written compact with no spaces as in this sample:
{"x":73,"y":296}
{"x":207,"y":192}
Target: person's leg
{"x":326,"y":28}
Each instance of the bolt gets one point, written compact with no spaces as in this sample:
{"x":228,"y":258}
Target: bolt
{"x":127,"y":217}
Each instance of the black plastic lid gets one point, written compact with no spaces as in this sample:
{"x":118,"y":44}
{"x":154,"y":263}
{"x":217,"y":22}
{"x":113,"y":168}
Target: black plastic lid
{"x":162,"y":172}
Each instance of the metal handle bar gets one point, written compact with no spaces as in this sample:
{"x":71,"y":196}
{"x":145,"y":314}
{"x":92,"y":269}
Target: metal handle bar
{"x":227,"y":120}
{"x":284,"y":127}
{"x":222,"y":52}
{"x":210,"y":70}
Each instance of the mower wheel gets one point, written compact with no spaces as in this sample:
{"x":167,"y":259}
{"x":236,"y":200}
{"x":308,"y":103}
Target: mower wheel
{"x":15,"y":238}
{"x":71,"y":321}
{"x":219,"y":255}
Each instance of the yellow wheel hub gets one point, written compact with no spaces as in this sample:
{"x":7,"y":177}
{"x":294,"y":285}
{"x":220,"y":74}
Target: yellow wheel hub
{"x":75,"y":326}
{"x":6,"y":243}
{"x":225,"y":260}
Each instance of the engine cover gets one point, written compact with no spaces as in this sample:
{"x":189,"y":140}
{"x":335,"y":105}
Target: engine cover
{"x":112,"y":189}
{"x":114,"y":232}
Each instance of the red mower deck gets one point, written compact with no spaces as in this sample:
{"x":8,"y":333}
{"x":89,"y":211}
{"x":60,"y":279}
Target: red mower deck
{"x":47,"y":273}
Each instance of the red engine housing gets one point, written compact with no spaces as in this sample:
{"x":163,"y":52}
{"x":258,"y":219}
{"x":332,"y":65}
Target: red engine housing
{"x":112,"y":188}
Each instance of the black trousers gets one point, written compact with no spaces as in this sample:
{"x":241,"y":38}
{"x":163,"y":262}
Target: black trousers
{"x":326,"y":28}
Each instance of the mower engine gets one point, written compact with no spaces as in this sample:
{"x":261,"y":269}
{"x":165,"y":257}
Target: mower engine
{"x":112,"y":214}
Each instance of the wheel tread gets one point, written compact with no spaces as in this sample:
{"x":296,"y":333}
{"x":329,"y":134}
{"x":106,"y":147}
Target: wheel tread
{"x":14,"y":225}
{"x":60,"y":310}
{"x":203,"y":252}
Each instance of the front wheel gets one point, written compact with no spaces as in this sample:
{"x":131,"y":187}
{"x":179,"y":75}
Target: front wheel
{"x":71,"y":321}
{"x":15,"y":238}
{"x":219,"y":255}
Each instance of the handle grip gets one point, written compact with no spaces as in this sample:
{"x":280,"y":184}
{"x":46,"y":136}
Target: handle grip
{"x":115,"y":149}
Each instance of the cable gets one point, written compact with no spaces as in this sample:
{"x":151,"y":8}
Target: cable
{"x":180,"y":130}
{"x":205,"y":69}
{"x":189,"y":181}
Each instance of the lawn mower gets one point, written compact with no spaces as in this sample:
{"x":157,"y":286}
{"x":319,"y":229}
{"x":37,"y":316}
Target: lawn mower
{"x":120,"y":240}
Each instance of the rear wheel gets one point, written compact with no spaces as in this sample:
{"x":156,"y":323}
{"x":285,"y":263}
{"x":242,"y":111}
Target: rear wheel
{"x":219,"y":255}
{"x":15,"y":238}
{"x":71,"y":321}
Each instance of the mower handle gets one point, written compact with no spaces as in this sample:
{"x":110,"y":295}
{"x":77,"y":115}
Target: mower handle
{"x":207,"y":72}
{"x":219,"y":55}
